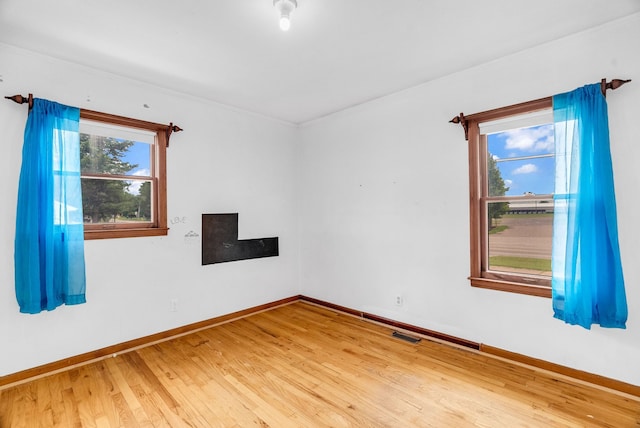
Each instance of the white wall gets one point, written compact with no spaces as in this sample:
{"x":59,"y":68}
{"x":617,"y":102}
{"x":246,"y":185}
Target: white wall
{"x":223,"y":161}
{"x":384,"y":206}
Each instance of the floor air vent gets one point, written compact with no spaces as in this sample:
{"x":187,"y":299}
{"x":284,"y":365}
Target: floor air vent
{"x":404,"y":337}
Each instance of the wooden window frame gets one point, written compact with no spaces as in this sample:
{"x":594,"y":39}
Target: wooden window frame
{"x":158,"y":227}
{"x":479,"y":277}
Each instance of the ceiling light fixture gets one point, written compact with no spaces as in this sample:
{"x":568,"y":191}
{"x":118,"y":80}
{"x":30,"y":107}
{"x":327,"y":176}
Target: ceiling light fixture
{"x":285,"y":7}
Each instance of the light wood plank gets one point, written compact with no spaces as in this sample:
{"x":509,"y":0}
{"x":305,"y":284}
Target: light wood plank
{"x":303,"y":365}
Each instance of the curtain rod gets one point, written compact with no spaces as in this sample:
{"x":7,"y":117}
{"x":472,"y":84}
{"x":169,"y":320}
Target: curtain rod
{"x":20,"y":99}
{"x":604,"y":85}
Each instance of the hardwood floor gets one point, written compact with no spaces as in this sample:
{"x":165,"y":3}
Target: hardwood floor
{"x":301,"y":365}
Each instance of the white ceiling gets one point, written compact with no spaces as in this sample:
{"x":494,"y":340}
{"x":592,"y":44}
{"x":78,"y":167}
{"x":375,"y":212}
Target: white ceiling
{"x":338,"y":53}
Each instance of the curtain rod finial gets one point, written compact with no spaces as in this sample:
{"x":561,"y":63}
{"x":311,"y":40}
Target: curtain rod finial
{"x":170,"y":129}
{"x":462,"y":121}
{"x":21,"y":100}
{"x":17,"y":99}
{"x":614,"y":84}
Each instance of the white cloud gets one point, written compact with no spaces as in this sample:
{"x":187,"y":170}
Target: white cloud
{"x":134,"y":186}
{"x":533,"y":140}
{"x":508,"y":183}
{"x":525,"y":169}
{"x":144,"y":172}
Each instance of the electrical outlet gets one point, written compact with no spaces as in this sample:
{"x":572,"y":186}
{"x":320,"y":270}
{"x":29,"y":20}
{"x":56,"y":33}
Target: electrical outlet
{"x":399,"y":300}
{"x":173,"y":305}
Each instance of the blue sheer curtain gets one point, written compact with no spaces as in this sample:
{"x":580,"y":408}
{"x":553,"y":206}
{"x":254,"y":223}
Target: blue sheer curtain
{"x":49,"y":242}
{"x":587,"y":280}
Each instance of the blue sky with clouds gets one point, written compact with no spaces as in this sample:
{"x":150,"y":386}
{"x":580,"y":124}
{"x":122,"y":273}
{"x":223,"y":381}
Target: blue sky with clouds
{"x":534,"y":175}
{"x":140,"y":154}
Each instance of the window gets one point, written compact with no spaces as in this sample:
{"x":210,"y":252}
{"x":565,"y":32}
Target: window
{"x":512,"y":170}
{"x":123,"y":176}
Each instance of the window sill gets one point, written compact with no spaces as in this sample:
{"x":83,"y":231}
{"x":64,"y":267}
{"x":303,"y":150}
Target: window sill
{"x":124,"y":233}
{"x":511,"y":287}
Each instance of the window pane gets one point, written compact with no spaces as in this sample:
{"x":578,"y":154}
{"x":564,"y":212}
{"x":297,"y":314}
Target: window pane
{"x":520,"y":236}
{"x":520,"y":161}
{"x":533,"y":176}
{"x":518,"y":142}
{"x":109,"y":155}
{"x":116,"y":201}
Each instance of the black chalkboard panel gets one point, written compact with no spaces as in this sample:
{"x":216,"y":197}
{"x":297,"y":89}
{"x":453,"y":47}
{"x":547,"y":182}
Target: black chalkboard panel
{"x":220,"y":241}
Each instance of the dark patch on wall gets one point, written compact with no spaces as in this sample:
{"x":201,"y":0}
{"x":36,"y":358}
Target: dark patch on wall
{"x":220,"y":241}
